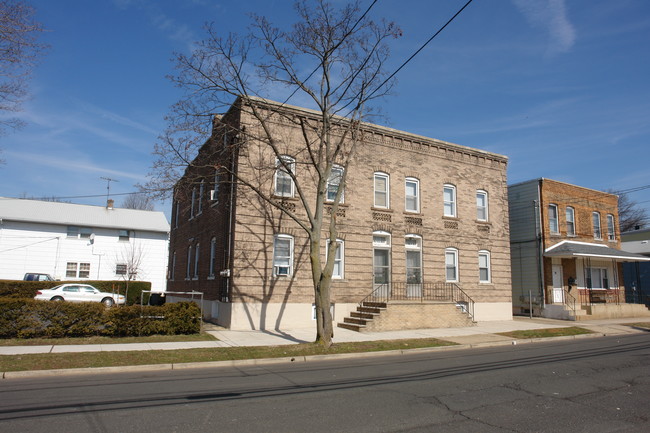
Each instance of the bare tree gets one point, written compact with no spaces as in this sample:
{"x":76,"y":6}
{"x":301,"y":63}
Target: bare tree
{"x":19,"y":51}
{"x":346,"y":53}
{"x":138,"y":201}
{"x":630,"y":214}
{"x":128,"y":264}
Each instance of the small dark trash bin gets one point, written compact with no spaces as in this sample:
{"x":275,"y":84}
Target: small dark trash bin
{"x":157,"y":299}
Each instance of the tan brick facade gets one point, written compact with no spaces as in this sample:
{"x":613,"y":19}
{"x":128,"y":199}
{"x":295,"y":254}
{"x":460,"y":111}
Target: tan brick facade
{"x":432,"y":164}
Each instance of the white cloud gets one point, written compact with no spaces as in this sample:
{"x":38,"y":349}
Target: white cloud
{"x":550,"y":16}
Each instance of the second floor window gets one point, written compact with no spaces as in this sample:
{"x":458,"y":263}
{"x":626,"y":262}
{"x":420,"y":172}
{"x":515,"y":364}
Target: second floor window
{"x":596,"y":223}
{"x":481,"y":205}
{"x":192,"y":204}
{"x":570,"y":221}
{"x":201,"y":194}
{"x":285,"y":166}
{"x":449,"y":200}
{"x":552,"y":219}
{"x":611,"y":228}
{"x":334,"y":182}
{"x":412,"y":194}
{"x":382,"y":190}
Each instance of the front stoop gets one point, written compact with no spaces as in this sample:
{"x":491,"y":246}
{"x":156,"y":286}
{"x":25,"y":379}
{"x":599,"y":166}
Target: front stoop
{"x":400,"y":315}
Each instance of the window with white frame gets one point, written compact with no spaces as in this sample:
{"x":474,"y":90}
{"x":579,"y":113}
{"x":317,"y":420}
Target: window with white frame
{"x":595,"y":217}
{"x":196,"y":261}
{"x":412,"y":195}
{"x":481,"y":205}
{"x":285,"y":166}
{"x":188,"y":274}
{"x":449,"y":200}
{"x":193,"y":204}
{"x":570,"y":221}
{"x":382,"y":190}
{"x":451,"y":264}
{"x":611,"y":229}
{"x":217,"y":184}
{"x":199,"y":209}
{"x":213,"y":257}
{"x":339,"y":262}
{"x":283,"y":256}
{"x":334,"y":182}
{"x":79,"y":232}
{"x":597,"y":278}
{"x":77,"y":270}
{"x":484,"y":266}
{"x":120,"y":269}
{"x":413,"y":248}
{"x":552,"y":219}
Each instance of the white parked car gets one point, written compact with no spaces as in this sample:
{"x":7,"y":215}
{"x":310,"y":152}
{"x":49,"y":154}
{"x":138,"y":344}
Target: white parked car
{"x":79,"y":293}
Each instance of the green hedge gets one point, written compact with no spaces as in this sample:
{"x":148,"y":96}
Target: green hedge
{"x":27,"y":289}
{"x":27,"y":318}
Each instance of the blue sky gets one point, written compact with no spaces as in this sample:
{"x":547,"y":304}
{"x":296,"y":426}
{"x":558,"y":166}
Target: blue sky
{"x":561,"y":87}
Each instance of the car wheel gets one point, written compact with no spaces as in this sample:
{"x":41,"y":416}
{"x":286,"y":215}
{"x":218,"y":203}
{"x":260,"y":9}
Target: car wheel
{"x":57,"y":299}
{"x":108,"y":302}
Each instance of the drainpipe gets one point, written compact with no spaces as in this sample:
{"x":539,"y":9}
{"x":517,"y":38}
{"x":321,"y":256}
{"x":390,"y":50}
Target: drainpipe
{"x":540,"y":245}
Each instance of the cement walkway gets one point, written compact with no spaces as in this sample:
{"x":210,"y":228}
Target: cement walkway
{"x":483,"y":333}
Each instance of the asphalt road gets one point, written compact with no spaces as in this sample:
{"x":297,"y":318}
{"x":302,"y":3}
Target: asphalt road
{"x":583,"y":385}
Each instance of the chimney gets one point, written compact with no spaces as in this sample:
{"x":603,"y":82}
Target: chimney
{"x":109,"y":203}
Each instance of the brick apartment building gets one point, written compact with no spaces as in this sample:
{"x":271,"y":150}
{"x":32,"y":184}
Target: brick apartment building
{"x":566,"y":252}
{"x":416,"y":213}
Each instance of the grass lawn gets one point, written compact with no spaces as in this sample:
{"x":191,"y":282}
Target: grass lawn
{"x":49,"y":361}
{"x":550,"y":332}
{"x":104,"y":340}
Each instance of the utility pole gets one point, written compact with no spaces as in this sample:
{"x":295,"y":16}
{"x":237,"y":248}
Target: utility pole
{"x":108,"y":186}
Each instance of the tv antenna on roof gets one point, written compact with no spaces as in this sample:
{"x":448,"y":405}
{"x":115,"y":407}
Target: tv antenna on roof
{"x":108,"y":185}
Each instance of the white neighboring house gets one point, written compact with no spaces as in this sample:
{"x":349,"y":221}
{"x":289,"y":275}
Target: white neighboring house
{"x":76,"y":242}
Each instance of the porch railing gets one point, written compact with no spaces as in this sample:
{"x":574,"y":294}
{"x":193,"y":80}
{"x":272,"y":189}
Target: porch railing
{"x":601,"y":296}
{"x":432,"y":292}
{"x":570,"y":301}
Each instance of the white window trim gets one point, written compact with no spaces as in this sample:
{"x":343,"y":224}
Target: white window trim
{"x":196,"y":261}
{"x":557,"y":220}
{"x":188,"y":270}
{"x":380,"y":174}
{"x":341,"y":248}
{"x":201,"y":194}
{"x":489,"y":267}
{"x":573,"y":220}
{"x":417,"y":194}
{"x":486,"y":207}
{"x":291,"y":246}
{"x":453,"y":251}
{"x":452,"y":202}
{"x":192,"y":206}
{"x":611,"y":228}
{"x":213,"y":254}
{"x":417,"y":248}
{"x":279,"y":167}
{"x":598,"y":234}
{"x":327,"y":188}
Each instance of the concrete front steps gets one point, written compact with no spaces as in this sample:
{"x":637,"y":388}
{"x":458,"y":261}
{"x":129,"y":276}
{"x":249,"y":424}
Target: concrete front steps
{"x":595,"y":311}
{"x":399,"y":315}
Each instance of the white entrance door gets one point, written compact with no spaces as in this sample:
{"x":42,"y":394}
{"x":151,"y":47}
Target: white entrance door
{"x":558,"y":289}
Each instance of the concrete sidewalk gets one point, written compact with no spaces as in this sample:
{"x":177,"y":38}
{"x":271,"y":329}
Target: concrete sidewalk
{"x":483,"y":333}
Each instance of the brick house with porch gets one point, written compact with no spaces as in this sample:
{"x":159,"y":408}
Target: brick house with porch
{"x":423,"y":224}
{"x":566,"y":252}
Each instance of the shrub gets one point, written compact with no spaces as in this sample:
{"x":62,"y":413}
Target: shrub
{"x":28,"y":289}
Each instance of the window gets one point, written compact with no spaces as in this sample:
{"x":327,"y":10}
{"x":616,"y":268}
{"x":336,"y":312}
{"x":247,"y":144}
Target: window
{"x":449,"y":200}
{"x":196,"y":261}
{"x":124,"y":235}
{"x":382,"y":190}
{"x":333,"y":183}
{"x":284,"y":167}
{"x":189,"y":263}
{"x":611,"y":233}
{"x":201,"y":194}
{"x":481,"y":205}
{"x":173,"y":269}
{"x":120,"y":269}
{"x":217,"y":184}
{"x":597,"y":278}
{"x":413,"y":247}
{"x":77,"y":270}
{"x":176,"y":212}
{"x":213,"y":257}
{"x":595,"y":217}
{"x":79,"y":232}
{"x":451,"y":264}
{"x":282,"y":255}
{"x":412,"y":195}
{"x":192,"y":207}
{"x":484,"y":266}
{"x":338,"y":271}
{"x":570,"y":221}
{"x":552,"y":219}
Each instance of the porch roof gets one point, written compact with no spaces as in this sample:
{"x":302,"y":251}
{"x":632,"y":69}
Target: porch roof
{"x":570,"y":249}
